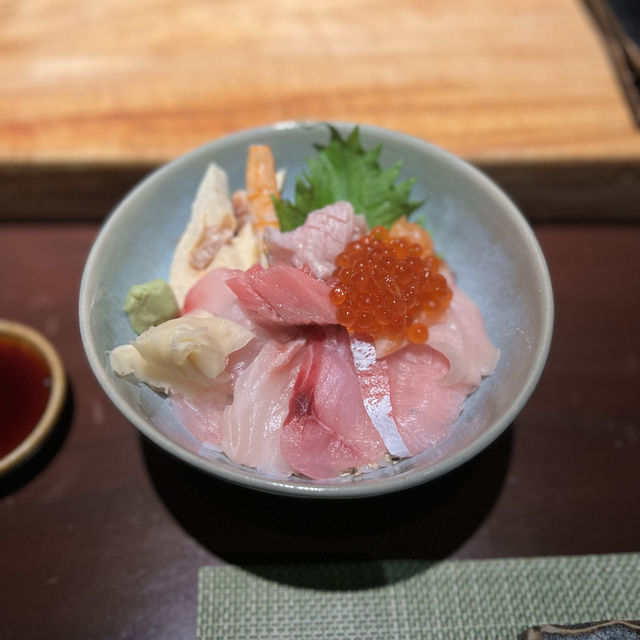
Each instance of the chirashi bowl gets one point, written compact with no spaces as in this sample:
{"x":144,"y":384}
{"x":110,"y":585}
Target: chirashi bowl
{"x":475,"y":227}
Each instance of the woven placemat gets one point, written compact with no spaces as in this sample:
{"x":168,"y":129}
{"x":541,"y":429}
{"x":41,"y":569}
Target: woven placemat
{"x":449,"y":600}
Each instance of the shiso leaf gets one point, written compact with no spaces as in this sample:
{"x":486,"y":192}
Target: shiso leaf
{"x":344,"y":170}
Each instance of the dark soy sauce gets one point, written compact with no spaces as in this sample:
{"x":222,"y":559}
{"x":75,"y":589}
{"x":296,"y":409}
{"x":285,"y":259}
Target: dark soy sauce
{"x":25,"y":386}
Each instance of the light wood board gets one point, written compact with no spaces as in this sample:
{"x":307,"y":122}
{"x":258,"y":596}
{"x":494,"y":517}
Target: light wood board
{"x":124,"y":82}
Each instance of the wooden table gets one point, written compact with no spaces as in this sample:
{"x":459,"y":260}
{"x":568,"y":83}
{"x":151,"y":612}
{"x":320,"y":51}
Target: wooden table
{"x":102,"y":534}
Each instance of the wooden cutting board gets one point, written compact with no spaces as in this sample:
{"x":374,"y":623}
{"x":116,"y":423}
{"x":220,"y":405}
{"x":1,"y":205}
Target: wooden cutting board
{"x":121,"y":81}
{"x":93,"y":94}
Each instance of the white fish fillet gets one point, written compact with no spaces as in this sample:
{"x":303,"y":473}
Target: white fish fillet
{"x":462,"y":338}
{"x":252,"y":425}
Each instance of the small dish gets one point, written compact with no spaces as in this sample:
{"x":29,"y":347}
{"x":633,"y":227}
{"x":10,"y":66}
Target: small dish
{"x":38,"y":386}
{"x":474,"y":225}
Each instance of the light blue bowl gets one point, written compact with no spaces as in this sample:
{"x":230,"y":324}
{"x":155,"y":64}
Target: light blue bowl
{"x":481,"y":233}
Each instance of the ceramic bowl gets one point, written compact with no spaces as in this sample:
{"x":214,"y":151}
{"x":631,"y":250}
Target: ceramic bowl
{"x":481,"y":233}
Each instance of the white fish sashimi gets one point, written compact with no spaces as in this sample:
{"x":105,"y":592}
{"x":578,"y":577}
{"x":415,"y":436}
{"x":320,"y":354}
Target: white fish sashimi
{"x":252,"y":424}
{"x":200,"y":412}
{"x":462,"y":338}
{"x":424,"y":407}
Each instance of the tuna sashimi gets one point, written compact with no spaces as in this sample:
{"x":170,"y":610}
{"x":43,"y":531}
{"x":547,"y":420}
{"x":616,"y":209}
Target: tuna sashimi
{"x":327,"y":429}
{"x":318,"y":241}
{"x":424,"y":407}
{"x":282,"y":296}
{"x":252,"y":424}
{"x":462,"y":338}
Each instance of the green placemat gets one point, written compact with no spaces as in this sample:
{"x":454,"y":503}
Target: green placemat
{"x":449,"y":600}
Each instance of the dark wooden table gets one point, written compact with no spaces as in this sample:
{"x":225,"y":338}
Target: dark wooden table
{"x":102,"y":534}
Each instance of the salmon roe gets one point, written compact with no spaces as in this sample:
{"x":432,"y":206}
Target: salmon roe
{"x":386,"y":287}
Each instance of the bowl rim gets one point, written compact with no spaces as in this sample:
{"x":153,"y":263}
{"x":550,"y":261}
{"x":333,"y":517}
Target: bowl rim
{"x":36,"y":437}
{"x":289,"y":486}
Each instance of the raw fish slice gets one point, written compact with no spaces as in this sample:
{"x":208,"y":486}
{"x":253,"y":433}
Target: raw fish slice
{"x":318,"y":241}
{"x":212,"y":294}
{"x":462,"y":338}
{"x":327,"y":429}
{"x":239,"y":360}
{"x":283,"y":296}
{"x":201,"y":413}
{"x":252,"y":424}
{"x":424,"y":408}
{"x":373,"y":376}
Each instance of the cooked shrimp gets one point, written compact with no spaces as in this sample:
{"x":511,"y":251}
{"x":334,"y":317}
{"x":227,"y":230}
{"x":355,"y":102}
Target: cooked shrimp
{"x":261,"y":185}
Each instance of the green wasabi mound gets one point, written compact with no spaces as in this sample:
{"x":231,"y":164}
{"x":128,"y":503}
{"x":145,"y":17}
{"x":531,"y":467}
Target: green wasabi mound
{"x":150,"y":304}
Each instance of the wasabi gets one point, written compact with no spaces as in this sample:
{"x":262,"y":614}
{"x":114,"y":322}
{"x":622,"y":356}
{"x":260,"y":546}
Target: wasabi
{"x":150,"y":304}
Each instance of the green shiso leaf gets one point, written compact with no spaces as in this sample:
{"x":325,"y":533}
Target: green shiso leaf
{"x":344,"y":170}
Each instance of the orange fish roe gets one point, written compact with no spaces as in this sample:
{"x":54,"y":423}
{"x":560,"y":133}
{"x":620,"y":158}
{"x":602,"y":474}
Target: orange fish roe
{"x":413,"y":233}
{"x":385,"y":288}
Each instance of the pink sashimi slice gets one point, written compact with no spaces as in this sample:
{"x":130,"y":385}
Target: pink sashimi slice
{"x":201,"y":412}
{"x":211,"y":294}
{"x":462,"y":338}
{"x":424,"y":408}
{"x":373,"y":376}
{"x":318,"y":241}
{"x":327,"y":429}
{"x":252,"y":424}
{"x":282,"y":296}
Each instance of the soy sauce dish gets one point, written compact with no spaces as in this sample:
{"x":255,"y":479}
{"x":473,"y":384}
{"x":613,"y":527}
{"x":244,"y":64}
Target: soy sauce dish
{"x":477,"y":229}
{"x":32,"y":391}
